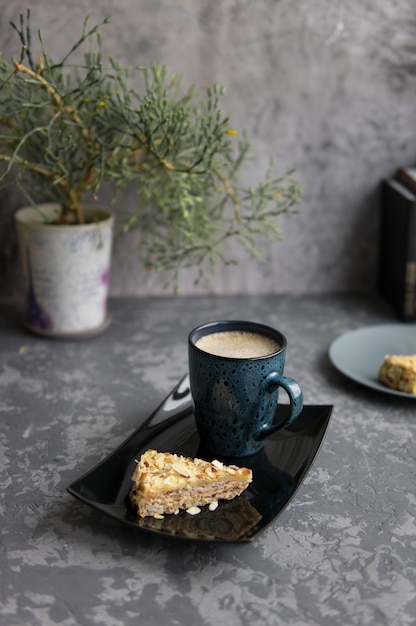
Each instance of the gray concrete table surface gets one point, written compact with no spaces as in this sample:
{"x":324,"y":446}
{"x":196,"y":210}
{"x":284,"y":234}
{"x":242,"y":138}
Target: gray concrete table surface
{"x":343,"y":552}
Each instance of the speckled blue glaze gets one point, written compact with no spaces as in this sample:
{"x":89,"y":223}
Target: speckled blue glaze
{"x":235,"y":399}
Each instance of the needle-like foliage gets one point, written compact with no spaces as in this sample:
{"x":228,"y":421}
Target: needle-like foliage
{"x":66,"y":127}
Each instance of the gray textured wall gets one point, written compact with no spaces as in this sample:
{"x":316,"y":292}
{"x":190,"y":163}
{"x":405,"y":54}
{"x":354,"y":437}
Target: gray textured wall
{"x":326,"y":86}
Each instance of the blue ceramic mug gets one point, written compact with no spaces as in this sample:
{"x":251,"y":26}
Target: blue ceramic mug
{"x":235,"y":371}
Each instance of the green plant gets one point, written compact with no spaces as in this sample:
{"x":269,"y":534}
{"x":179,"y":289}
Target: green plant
{"x":53,"y":138}
{"x":66,"y":127}
{"x":187,"y":169}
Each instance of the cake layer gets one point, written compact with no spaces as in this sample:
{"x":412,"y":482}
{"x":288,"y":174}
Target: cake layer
{"x":230,"y":521}
{"x":399,"y":372}
{"x":164,"y":483}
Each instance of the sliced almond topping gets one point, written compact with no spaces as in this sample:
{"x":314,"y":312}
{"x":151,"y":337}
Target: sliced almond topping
{"x":218,"y":464}
{"x":194,"y":510}
{"x":159,"y":461}
{"x":181,"y":469}
{"x":213,"y":505}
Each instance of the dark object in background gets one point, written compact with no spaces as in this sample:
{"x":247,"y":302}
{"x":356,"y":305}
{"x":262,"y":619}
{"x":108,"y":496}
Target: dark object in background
{"x":397,"y":246}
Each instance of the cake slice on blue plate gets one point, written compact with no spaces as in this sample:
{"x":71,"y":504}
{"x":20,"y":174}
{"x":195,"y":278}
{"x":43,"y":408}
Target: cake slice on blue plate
{"x":399,"y":372}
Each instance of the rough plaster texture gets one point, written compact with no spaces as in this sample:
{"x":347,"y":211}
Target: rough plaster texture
{"x":343,"y":552}
{"x":328,"y":87}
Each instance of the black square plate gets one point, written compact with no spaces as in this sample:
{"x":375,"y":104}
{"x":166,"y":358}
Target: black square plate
{"x":278,"y":472}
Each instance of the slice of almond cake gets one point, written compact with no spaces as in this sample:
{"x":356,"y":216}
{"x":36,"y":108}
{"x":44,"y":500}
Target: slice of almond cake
{"x":164,"y":483}
{"x":399,"y":372}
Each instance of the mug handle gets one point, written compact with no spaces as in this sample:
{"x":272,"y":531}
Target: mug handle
{"x":295,"y":394}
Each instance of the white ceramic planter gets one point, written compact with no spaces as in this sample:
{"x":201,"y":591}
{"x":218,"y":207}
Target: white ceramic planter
{"x":66,"y":272}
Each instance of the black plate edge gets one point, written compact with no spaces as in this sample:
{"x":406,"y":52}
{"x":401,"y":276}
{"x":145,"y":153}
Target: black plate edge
{"x":102,"y":507}
{"x":106,"y":510}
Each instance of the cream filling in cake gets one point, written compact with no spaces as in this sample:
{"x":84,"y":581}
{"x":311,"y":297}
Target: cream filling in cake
{"x":164,"y":483}
{"x":399,"y":373}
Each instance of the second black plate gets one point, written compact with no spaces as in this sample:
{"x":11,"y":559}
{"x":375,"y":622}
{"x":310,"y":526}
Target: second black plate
{"x":278,"y":472}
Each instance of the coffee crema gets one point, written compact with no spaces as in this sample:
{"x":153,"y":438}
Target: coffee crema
{"x":238,"y":344}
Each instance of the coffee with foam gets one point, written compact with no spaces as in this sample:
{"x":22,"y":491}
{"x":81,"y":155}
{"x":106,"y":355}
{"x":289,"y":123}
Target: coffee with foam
{"x":238,"y":344}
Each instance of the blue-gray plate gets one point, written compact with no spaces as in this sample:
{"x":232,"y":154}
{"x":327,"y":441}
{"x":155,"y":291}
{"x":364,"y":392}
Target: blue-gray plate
{"x":359,"y":353}
{"x":278,"y":472}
